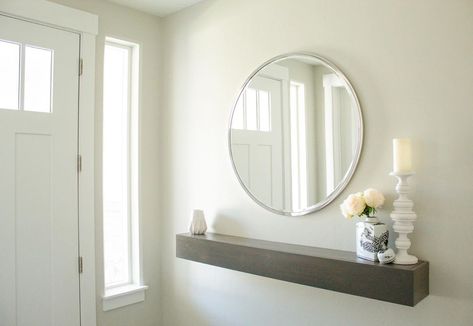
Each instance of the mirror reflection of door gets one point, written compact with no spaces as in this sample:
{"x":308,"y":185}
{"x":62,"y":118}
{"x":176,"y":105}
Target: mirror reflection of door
{"x":295,"y":134}
{"x":257,"y":137}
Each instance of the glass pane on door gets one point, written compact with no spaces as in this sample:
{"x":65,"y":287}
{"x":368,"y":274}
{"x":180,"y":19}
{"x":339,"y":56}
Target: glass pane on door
{"x":9,"y":75}
{"x":38,"y":79}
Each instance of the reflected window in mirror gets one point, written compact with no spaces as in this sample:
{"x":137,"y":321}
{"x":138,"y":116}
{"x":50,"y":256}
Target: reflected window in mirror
{"x":298,"y":145}
{"x":253,"y":112}
{"x":296,"y":134}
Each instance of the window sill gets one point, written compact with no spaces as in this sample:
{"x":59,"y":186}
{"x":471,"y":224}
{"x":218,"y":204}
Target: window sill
{"x":123,"y":296}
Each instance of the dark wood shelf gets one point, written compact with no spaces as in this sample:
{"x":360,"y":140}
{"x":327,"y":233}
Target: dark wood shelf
{"x":329,"y":269}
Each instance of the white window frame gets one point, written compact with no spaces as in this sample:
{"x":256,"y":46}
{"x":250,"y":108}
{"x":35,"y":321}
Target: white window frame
{"x":332,"y":132}
{"x":22,"y":46}
{"x":298,"y":145}
{"x":133,"y":291}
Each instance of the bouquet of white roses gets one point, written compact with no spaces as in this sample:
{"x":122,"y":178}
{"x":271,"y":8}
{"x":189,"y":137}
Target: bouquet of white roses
{"x":362,"y":203}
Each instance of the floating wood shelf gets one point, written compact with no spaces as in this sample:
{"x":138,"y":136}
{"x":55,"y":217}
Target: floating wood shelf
{"x":329,"y":269}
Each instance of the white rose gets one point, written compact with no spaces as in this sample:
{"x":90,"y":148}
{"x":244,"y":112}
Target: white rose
{"x":354,"y":204}
{"x":345,"y":211}
{"x":373,"y":198}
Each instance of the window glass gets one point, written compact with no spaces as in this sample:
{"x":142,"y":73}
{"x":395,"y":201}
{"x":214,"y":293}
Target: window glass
{"x":116,"y":193}
{"x":9,"y":75}
{"x":38,"y":79}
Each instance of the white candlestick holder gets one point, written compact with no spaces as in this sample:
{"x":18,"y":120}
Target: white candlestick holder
{"x":404,"y":218}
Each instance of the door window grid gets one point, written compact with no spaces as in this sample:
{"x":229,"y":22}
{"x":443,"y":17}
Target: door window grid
{"x":25,"y":77}
{"x":253,"y":111}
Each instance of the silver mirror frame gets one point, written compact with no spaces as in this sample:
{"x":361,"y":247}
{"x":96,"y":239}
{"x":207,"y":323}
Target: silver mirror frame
{"x":359,"y":126}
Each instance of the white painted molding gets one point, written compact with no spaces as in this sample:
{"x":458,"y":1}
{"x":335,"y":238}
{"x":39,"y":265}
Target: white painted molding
{"x":87,"y":180}
{"x":123,"y":296}
{"x":330,"y":81}
{"x":52,"y":14}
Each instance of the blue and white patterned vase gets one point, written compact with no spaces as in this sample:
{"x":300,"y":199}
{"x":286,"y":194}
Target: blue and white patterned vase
{"x":371,"y":237}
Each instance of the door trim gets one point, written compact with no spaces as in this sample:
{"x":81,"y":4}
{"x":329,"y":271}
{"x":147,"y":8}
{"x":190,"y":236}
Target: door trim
{"x":86,"y":25}
{"x":52,"y":14}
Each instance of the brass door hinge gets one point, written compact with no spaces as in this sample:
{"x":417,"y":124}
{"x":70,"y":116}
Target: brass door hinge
{"x":79,"y":163}
{"x":81,"y":66}
{"x":81,"y":265}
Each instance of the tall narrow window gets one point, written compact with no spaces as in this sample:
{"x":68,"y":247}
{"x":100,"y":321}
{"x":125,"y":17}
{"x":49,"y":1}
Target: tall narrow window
{"x":298,"y":146}
{"x":120,"y":168}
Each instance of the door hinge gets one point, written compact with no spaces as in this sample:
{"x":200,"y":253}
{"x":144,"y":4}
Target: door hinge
{"x":79,"y":163}
{"x":81,"y":265}
{"x":81,"y":66}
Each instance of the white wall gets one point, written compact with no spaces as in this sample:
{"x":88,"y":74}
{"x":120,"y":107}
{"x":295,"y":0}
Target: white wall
{"x":411,"y":64}
{"x":124,"y":23}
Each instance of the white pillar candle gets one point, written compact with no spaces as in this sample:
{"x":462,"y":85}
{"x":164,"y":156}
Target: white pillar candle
{"x":402,"y":155}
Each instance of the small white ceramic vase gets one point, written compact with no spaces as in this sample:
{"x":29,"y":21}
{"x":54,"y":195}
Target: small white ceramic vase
{"x":198,"y":224}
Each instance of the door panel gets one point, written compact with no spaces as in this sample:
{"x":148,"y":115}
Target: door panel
{"x":241,"y":157}
{"x":263,"y":168}
{"x":39,"y":279}
{"x":257,"y":147}
{"x":33,"y":198}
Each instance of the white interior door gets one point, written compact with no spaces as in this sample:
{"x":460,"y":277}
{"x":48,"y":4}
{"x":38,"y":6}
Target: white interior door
{"x":258,"y":145}
{"x":39,"y":278}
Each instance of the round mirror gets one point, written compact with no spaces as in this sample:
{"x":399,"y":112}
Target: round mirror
{"x":295,"y":134}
